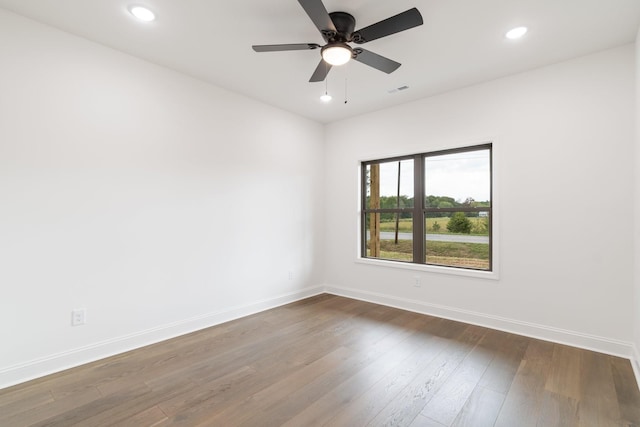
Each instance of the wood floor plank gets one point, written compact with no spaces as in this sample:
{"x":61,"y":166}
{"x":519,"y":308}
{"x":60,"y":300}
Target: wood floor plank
{"x":524,"y":399}
{"x":278,"y":391}
{"x":260,"y":332}
{"x":481,"y":409}
{"x":368,"y":340}
{"x":502,"y":370}
{"x":448,"y":401}
{"x":422,"y":421}
{"x":13,"y":404}
{"x":627,"y":392}
{"x":598,"y":404}
{"x":94,"y":408}
{"x":273,"y":344}
{"x":215,"y":392}
{"x":564,"y":378}
{"x":413,"y":398}
{"x":363,"y":354}
{"x":238,"y":336}
{"x":368,"y":404}
{"x":120,"y":411}
{"x":558,"y":410}
{"x":281,"y":359}
{"x":29,"y":416}
{"x":393,"y":368}
{"x":334,"y":361}
{"x":150,"y":417}
{"x":205,"y":401}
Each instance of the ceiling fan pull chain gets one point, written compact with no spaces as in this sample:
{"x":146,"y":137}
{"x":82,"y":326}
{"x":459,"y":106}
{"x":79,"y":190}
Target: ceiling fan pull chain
{"x":345,"y":90}
{"x":326,"y":80}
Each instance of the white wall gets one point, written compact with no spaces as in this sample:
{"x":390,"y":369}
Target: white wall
{"x":564,"y":138}
{"x":159,"y":203}
{"x":636,"y":256}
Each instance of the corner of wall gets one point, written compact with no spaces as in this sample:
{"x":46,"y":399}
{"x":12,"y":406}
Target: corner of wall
{"x":636,"y":242}
{"x":635,"y":363}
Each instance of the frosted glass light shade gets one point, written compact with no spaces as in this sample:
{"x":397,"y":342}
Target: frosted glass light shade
{"x":337,"y":54}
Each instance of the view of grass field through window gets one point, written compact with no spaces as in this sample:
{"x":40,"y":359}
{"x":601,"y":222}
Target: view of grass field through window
{"x":447,"y":200}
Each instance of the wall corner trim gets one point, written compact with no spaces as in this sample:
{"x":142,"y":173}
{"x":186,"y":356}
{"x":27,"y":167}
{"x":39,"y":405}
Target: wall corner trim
{"x":635,"y":363}
{"x":43,"y":366}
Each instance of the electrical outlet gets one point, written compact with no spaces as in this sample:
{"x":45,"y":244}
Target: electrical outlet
{"x":78,"y":316}
{"x":290,"y":275}
{"x":416,"y":281}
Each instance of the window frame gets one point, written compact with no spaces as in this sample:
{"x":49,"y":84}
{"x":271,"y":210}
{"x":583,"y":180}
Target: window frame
{"x":419,"y":213}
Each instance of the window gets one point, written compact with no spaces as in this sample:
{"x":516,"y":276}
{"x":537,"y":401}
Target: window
{"x":429,"y":208}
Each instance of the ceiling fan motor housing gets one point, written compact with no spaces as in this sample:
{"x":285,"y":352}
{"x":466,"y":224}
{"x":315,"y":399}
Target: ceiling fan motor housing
{"x":345,"y":23}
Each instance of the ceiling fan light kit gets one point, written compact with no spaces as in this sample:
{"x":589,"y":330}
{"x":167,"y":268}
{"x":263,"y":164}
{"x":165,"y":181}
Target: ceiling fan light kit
{"x":337,"y":30}
{"x":337,"y":53}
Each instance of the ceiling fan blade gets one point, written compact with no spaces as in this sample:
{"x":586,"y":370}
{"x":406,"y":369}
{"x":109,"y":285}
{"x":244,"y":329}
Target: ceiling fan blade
{"x":321,"y":72}
{"x":319,"y":15}
{"x":282,"y":47}
{"x":400,"y":22}
{"x":376,"y":61}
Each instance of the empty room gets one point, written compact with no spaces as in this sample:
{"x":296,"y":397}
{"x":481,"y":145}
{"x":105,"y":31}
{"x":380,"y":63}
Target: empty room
{"x":320,"y":213}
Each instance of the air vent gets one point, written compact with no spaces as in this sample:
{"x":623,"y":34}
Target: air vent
{"x":398,"y":89}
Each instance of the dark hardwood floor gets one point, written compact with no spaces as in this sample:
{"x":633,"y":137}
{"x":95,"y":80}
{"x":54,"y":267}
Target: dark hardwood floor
{"x":334,"y":361}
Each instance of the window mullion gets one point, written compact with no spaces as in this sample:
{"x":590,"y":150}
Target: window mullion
{"x":418,"y":215}
{"x":363,"y":218}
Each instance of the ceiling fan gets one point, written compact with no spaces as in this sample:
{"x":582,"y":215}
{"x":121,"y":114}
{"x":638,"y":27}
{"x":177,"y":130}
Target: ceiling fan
{"x":337,"y":29}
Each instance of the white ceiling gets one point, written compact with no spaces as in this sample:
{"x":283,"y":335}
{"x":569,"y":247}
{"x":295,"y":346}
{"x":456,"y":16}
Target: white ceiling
{"x":461,"y":43}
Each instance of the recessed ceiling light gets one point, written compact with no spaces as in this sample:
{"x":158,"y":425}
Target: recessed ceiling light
{"x":326,"y":98}
{"x":142,"y":13}
{"x":516,"y":33}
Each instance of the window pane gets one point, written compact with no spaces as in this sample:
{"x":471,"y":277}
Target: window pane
{"x":453,"y":192}
{"x":382,"y":185}
{"x":458,"y":180}
{"x":395,"y":236}
{"x":458,"y":239}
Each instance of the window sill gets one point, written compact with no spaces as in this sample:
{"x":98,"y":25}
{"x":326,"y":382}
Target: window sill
{"x":490,"y":275}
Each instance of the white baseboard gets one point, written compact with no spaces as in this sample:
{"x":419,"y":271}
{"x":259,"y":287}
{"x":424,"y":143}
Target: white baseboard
{"x":635,"y":363}
{"x":58,"y":362}
{"x":557,"y":335}
{"x":37,"y":368}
